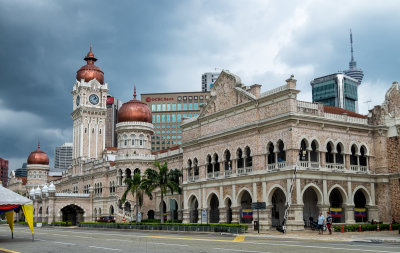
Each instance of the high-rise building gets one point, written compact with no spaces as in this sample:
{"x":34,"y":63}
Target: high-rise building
{"x":169,"y":109}
{"x":353,"y":71}
{"x":63,"y":156}
{"x":207,"y":80}
{"x":21,"y":172}
{"x":113,"y":106}
{"x":4,"y":171}
{"x":337,"y":90}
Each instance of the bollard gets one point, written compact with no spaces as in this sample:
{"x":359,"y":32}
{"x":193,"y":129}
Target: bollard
{"x":390,"y":227}
{"x":342,"y":229}
{"x":359,"y":228}
{"x":377,"y":227}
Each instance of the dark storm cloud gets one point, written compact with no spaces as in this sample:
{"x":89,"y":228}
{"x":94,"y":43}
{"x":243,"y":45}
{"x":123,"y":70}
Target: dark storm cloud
{"x":164,"y":46}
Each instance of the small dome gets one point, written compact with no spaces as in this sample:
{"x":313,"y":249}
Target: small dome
{"x":45,"y":189}
{"x":134,"y":110}
{"x":38,"y":157}
{"x":32,"y":192}
{"x":38,"y":191}
{"x":52,"y":187}
{"x":90,"y":71}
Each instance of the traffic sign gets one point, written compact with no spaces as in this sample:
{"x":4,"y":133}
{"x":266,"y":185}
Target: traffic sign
{"x":258,"y":205}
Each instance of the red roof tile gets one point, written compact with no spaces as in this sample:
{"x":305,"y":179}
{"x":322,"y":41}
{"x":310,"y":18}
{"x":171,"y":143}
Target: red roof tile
{"x":341,"y":111}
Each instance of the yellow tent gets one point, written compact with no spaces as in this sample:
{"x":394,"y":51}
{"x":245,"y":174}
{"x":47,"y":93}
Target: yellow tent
{"x":9,"y":201}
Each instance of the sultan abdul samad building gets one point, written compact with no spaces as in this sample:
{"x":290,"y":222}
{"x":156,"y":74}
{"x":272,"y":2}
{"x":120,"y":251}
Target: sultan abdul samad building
{"x":242,"y":148}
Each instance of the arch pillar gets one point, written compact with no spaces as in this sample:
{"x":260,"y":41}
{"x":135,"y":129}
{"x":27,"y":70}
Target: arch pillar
{"x":322,"y":160}
{"x":349,"y":214}
{"x":373,"y":212}
{"x":235,"y":214}
{"x":295,"y":220}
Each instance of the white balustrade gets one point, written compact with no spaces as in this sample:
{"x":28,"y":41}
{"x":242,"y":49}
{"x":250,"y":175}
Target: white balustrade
{"x":228,"y":173}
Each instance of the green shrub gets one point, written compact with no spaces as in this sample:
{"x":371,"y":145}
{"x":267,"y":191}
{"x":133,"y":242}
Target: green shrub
{"x":365,"y":227}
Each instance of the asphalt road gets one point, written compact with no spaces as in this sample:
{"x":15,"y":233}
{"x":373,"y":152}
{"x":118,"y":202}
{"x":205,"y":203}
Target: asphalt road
{"x":60,"y":240}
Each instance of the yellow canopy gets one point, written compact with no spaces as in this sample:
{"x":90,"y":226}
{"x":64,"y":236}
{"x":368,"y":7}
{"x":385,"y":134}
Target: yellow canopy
{"x":28,"y":212}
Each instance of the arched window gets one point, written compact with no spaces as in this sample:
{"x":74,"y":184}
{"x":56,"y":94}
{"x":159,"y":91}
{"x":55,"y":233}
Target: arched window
{"x":339,"y":154}
{"x":239,"y":155}
{"x":329,"y":153}
{"x":196,"y":167}
{"x":141,"y":140}
{"x":136,"y":171}
{"x":228,"y":161}
{"x":271,"y":154}
{"x":216,"y":164}
{"x":209,"y":166}
{"x":249,"y":159}
{"x":281,"y":152}
{"x":133,"y":140}
{"x":353,"y":156}
{"x":190,"y":171}
{"x":314,"y":154}
{"x":363,"y":156}
{"x":303,"y":155}
{"x":125,"y":140}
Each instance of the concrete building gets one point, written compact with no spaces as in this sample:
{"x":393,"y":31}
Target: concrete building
{"x":63,"y":156}
{"x":338,"y":90}
{"x":4,"y":171}
{"x":113,"y":106}
{"x":244,"y":146}
{"x":207,"y":80}
{"x":169,"y":109}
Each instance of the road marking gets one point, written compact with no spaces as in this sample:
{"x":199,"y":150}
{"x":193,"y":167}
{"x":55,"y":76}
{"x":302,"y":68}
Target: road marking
{"x":239,"y":238}
{"x":170,"y":244}
{"x":104,"y":248}
{"x":119,"y":240}
{"x":320,"y":247}
{"x":8,"y":250}
{"x":240,"y":250}
{"x":187,"y":238}
{"x":66,"y":243}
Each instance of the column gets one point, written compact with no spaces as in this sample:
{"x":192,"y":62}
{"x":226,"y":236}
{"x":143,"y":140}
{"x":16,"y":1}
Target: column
{"x":236,"y":214}
{"x":347,"y":161}
{"x":349,"y":214}
{"x":323,"y":159}
{"x":255,"y":197}
{"x":234,"y":166}
{"x":325,"y":199}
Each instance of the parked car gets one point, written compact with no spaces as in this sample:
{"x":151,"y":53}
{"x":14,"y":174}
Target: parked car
{"x":107,"y":219}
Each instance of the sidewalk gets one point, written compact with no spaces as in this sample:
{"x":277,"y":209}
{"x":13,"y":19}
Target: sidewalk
{"x":367,"y":236}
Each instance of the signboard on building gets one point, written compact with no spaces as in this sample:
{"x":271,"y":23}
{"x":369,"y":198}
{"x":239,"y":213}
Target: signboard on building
{"x":139,"y":217}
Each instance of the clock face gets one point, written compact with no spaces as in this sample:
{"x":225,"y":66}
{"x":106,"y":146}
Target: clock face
{"x":78,"y":99}
{"x":94,"y":99}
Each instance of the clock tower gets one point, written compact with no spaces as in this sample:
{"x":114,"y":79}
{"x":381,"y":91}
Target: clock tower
{"x":89,"y":111}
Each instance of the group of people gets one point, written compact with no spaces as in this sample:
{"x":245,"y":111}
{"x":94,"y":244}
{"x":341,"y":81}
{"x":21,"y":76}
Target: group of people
{"x":321,"y":221}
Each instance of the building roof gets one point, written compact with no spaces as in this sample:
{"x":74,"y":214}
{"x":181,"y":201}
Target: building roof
{"x":341,"y":111}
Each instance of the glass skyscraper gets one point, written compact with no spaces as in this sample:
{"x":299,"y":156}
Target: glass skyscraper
{"x":337,"y":90}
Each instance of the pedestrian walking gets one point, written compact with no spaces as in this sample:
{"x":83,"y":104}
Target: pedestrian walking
{"x":321,"y":220}
{"x":329,"y":222}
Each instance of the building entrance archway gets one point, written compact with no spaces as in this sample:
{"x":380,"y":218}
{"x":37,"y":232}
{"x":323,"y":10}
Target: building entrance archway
{"x":193,"y":210}
{"x":360,"y":210}
{"x":278,"y":208}
{"x":310,"y":208}
{"x":245,"y":204}
{"x":72,"y":214}
{"x":214,"y":211}
{"x":336,"y":206}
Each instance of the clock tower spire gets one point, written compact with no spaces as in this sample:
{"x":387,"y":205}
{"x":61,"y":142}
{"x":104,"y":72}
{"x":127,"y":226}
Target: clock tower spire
{"x":89,"y":111}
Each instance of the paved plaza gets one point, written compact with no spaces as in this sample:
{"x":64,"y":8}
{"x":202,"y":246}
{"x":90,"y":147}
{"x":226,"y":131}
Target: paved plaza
{"x":87,"y":240}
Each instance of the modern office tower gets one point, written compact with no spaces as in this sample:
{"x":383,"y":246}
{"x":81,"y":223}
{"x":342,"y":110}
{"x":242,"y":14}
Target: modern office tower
{"x":337,"y":90}
{"x":21,"y":172}
{"x":353,"y":71}
{"x":113,"y":106}
{"x":63,"y":156}
{"x":169,"y":109}
{"x":4,"y":171}
{"x":207,"y":80}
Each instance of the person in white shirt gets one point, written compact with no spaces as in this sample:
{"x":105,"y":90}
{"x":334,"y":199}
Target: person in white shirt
{"x":321,"y":220}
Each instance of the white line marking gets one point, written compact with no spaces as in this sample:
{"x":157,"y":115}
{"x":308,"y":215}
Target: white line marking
{"x":119,"y":240}
{"x":240,"y":250}
{"x":66,"y":243}
{"x":319,"y":247}
{"x":169,"y":244}
{"x":104,"y":248}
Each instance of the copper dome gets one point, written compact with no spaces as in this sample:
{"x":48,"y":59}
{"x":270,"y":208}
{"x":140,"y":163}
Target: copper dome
{"x":90,"y":71}
{"x":134,"y":110}
{"x":38,"y":157}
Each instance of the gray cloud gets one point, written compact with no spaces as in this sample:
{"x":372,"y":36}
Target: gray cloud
{"x":164,"y":46}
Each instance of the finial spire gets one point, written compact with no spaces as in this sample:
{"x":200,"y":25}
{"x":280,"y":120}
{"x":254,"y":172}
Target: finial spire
{"x":90,"y":47}
{"x":134,"y":91}
{"x":38,"y":145}
{"x":351,"y":45}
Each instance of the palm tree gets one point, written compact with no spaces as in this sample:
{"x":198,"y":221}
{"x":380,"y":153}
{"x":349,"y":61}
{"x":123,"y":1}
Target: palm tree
{"x":135,"y":187}
{"x":164,"y":179}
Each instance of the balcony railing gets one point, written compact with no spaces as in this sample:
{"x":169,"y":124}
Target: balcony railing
{"x":335,"y":166}
{"x":210,"y":175}
{"x":309,"y":165}
{"x":359,"y":168}
{"x":276,"y":166}
{"x":228,"y":173}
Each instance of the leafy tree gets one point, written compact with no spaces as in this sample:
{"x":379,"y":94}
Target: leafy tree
{"x":135,"y":187}
{"x":163,"y":179}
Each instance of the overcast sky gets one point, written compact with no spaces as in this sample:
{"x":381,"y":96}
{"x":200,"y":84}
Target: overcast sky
{"x":165,"y":46}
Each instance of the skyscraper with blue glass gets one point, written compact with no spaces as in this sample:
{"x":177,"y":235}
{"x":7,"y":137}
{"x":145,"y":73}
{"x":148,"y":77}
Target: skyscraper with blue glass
{"x":339,"y":89}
